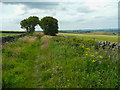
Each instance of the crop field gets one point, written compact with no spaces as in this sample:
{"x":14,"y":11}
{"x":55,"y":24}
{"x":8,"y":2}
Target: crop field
{"x":112,"y":38}
{"x":101,"y":33}
{"x":10,"y":34}
{"x":41,"y":61}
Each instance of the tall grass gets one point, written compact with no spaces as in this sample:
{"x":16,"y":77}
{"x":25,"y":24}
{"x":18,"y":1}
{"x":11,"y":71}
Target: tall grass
{"x":81,"y":67}
{"x":18,"y":60}
{"x":64,"y":63}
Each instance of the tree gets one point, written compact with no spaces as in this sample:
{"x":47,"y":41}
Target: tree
{"x":30,"y":23}
{"x":49,"y":25}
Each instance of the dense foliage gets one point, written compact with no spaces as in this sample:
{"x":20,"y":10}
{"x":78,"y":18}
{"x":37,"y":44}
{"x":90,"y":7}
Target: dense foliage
{"x":49,"y":25}
{"x":29,"y":23}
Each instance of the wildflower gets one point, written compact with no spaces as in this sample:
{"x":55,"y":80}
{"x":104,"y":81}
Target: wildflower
{"x":101,"y":57}
{"x":93,"y":60}
{"x":117,"y":47}
{"x":87,"y":48}
{"x":109,"y":56}
{"x":82,"y":46}
{"x":100,"y":62}
{"x":36,"y":66}
{"x":86,"y":54}
{"x":92,"y":55}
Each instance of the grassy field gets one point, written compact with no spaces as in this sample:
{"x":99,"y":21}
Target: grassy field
{"x":10,"y":34}
{"x":112,"y":38}
{"x":52,"y":62}
{"x":101,"y":33}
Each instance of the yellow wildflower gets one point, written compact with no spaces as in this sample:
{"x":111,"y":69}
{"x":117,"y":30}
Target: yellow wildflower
{"x":92,"y":55}
{"x":82,"y":46}
{"x":87,"y":49}
{"x":101,"y":57}
{"x":93,"y":60}
{"x":86,"y":54}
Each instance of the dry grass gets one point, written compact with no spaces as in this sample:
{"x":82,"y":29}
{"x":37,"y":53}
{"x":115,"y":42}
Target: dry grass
{"x":44,"y":40}
{"x":32,"y":39}
{"x":38,"y":33}
{"x":28,"y":38}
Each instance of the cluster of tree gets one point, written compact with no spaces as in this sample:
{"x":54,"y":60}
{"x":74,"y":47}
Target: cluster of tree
{"x":48,"y":24}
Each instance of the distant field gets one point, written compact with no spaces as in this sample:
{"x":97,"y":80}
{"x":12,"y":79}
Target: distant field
{"x":101,"y":33}
{"x":112,"y":38}
{"x":10,"y":34}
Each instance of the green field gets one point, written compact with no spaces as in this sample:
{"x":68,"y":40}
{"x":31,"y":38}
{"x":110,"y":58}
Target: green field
{"x":10,"y":34}
{"x":112,"y":38}
{"x":52,"y":62}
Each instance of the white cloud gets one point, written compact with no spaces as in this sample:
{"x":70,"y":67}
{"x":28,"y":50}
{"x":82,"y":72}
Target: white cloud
{"x":0,"y":16}
{"x":11,"y":15}
{"x":70,"y":14}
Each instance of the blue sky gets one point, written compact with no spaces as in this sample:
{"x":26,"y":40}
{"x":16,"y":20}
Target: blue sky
{"x":71,"y":14}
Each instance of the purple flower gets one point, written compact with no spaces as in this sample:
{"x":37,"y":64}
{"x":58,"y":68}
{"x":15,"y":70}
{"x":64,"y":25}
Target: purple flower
{"x":109,"y":56}
{"x":117,"y":47}
{"x":100,"y":62}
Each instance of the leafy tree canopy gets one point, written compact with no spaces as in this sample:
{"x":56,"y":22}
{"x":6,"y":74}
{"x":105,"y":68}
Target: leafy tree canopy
{"x":29,"y":23}
{"x":49,"y":25}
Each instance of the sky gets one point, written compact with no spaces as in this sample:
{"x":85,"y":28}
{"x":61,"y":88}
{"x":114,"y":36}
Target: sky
{"x":71,"y":14}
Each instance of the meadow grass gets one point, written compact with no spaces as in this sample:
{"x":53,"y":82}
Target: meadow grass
{"x":18,"y":60}
{"x":60,"y":64}
{"x":112,"y":38}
